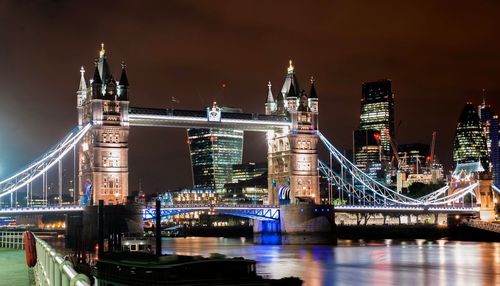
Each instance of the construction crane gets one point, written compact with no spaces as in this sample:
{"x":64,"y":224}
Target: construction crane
{"x":394,"y":148}
{"x":433,"y":145}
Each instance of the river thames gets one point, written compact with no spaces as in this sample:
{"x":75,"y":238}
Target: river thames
{"x":385,"y":262}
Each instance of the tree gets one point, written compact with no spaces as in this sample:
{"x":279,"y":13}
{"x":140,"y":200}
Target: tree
{"x":417,"y":189}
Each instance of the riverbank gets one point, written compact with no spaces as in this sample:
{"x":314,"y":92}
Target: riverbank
{"x":422,"y":231}
{"x":224,"y":231}
{"x":415,"y":231}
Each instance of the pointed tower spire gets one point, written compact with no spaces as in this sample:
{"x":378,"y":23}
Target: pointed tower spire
{"x":123,"y":78}
{"x":96,"y":82}
{"x":123,"y":84}
{"x":102,"y":52}
{"x":270,"y":98}
{"x":484,"y":96}
{"x":83,"y":84}
{"x":103,"y":66}
{"x":270,"y":104}
{"x":290,"y":66}
{"x":312,"y":101}
{"x":290,"y":90}
{"x":81,"y":94}
{"x":312,"y":92}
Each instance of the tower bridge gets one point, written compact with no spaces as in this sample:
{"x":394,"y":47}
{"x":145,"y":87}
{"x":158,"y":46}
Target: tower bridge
{"x":100,"y":144}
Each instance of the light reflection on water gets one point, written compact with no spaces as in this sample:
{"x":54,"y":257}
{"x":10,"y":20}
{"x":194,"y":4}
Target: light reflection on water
{"x":386,"y":262}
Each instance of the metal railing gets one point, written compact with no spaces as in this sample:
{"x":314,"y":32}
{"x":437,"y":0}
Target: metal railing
{"x":11,"y":239}
{"x":52,"y":269}
{"x":493,"y":227}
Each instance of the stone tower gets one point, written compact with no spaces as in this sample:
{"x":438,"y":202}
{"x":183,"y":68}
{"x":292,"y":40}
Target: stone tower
{"x":103,"y":153}
{"x":292,"y":154}
{"x":304,"y":152}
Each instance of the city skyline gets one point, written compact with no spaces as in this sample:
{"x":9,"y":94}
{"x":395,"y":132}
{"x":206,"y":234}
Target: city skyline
{"x":195,"y":76}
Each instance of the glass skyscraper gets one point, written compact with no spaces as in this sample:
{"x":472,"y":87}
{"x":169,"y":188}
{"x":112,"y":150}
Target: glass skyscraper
{"x":372,"y":148}
{"x":213,"y":154}
{"x":470,"y":141}
{"x":367,"y":152}
{"x":485,"y":116}
{"x":495,"y":150}
{"x":377,"y":112}
{"x":247,"y":171}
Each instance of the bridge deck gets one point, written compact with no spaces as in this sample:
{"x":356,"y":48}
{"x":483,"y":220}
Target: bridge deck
{"x":156,"y":117}
{"x":251,"y":210}
{"x":404,"y":209}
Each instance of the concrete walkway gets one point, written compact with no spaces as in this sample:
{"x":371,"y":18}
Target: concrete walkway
{"x":13,"y":268}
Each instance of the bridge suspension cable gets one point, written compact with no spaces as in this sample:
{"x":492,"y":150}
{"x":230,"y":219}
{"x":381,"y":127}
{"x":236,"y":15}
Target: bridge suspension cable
{"x":434,"y":195}
{"x":367,"y":190}
{"x":495,"y":188}
{"x":364,"y":182}
{"x":43,"y":163}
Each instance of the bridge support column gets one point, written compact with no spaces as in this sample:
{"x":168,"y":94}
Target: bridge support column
{"x":298,"y":224}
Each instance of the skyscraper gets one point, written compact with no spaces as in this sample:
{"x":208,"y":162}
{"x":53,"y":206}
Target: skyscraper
{"x":213,"y":154}
{"x":470,"y":141}
{"x":367,"y":152}
{"x":485,"y":116}
{"x":377,"y":122}
{"x":495,"y":150}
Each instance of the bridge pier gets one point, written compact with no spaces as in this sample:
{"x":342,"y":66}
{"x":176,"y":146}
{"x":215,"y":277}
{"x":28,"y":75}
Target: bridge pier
{"x":82,"y":228}
{"x":298,"y":224}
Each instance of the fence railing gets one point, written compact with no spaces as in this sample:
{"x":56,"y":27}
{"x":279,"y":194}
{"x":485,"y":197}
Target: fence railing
{"x":52,"y":269}
{"x":11,"y":239}
{"x":494,"y":227}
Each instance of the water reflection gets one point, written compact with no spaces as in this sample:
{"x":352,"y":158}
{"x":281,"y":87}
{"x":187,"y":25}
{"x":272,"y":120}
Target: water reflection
{"x":386,"y":262}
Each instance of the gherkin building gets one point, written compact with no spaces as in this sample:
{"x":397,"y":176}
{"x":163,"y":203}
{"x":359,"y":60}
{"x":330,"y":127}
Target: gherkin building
{"x":470,"y":141}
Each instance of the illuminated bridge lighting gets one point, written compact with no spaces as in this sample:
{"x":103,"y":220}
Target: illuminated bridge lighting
{"x":36,"y":210}
{"x":257,"y":212}
{"x":403,"y":209}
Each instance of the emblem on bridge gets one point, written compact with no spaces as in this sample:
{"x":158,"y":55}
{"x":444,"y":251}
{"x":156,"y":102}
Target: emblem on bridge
{"x":214,"y":113}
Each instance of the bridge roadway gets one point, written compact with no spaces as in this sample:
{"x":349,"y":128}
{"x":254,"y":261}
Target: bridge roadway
{"x":259,"y":212}
{"x":157,"y":117}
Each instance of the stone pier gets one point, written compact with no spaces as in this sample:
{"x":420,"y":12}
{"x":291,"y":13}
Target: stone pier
{"x":298,"y":224}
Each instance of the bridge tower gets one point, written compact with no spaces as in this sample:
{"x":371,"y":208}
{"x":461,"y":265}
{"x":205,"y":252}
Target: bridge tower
{"x":103,"y":153}
{"x":293,"y":154}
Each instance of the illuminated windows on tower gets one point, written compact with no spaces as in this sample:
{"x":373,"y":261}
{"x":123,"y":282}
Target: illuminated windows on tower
{"x":470,"y":142}
{"x":371,"y":141}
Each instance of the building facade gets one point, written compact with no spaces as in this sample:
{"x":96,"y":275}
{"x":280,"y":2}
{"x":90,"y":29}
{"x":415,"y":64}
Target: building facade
{"x":470,"y":141}
{"x":377,"y":123}
{"x":377,"y":112}
{"x":247,"y":171}
{"x":213,"y":153}
{"x":103,"y":152}
{"x":367,"y":152}
{"x":495,"y":151}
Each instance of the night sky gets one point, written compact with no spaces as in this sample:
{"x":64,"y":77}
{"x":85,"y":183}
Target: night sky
{"x":438,"y":54}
